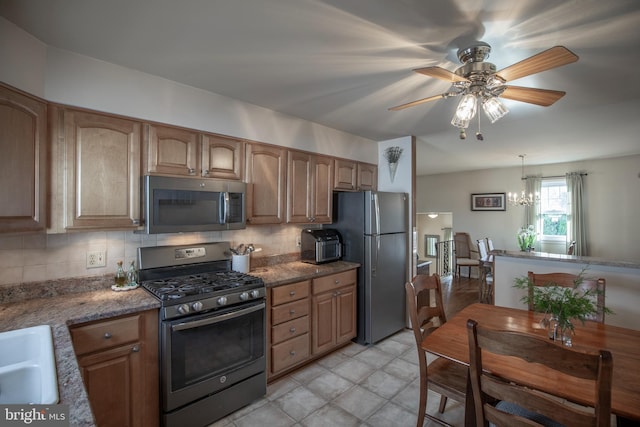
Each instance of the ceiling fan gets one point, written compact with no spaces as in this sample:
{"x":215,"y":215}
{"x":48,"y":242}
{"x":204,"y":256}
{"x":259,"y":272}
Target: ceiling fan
{"x":477,"y":81}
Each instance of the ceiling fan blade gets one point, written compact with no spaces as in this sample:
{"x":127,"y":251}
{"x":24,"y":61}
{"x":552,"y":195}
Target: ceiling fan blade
{"x":543,"y":97}
{"x":441,"y":73}
{"x":550,"y":58}
{"x":418,"y":102}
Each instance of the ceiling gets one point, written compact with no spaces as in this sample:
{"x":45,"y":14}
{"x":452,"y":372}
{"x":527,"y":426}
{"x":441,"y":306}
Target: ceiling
{"x":343,"y":63}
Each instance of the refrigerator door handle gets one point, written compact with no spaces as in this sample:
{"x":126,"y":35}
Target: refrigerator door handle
{"x":374,"y":266}
{"x":376,"y":207}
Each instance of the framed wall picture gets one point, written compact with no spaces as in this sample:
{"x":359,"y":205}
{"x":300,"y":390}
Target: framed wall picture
{"x":488,"y":202}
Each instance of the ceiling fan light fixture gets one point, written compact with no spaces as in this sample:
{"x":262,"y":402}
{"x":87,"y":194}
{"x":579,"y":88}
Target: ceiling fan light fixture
{"x":494,"y":109}
{"x":465,"y":112}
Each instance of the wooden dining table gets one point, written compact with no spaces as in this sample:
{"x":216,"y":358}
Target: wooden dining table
{"x":451,"y":341}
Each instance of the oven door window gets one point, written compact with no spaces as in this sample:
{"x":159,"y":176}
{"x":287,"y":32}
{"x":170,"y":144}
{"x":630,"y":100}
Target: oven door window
{"x":184,"y":207}
{"x":215,"y":344}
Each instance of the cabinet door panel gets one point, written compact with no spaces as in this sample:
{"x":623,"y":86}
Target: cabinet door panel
{"x":266,"y":176}
{"x":345,"y":174}
{"x":222,"y":157}
{"x":103,"y":171}
{"x":367,"y":177}
{"x":23,"y":166}
{"x":346,"y":312}
{"x":299,"y":187}
{"x":172,"y":151}
{"x":113,"y":384}
{"x":324,"y":322}
{"x":322,"y":194}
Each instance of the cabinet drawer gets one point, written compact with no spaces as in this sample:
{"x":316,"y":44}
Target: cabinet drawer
{"x":288,"y":293}
{"x":335,"y":281}
{"x":289,"y":353}
{"x":290,"y":329}
{"x":289,"y":311}
{"x":102,"y":335}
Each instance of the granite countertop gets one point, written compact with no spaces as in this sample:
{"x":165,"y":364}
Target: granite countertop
{"x":544,"y":256}
{"x":67,"y":302}
{"x":61,"y":304}
{"x":295,"y":271}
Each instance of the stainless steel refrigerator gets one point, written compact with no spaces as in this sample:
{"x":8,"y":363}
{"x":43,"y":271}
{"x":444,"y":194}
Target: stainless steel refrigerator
{"x":374,"y":229}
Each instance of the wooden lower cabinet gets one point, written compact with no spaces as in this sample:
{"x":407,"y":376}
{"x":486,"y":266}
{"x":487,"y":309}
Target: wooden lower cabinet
{"x":333,"y":311}
{"x":118,"y":359}
{"x":308,"y":319}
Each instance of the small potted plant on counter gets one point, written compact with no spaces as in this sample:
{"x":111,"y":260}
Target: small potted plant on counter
{"x":526,"y":238}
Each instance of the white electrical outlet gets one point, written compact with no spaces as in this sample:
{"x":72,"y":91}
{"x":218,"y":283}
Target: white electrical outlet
{"x":96,"y":259}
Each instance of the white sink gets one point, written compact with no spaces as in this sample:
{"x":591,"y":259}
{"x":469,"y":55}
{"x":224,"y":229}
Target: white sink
{"x":27,"y":366}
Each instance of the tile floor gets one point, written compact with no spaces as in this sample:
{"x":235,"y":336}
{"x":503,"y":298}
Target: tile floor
{"x":357,"y":385}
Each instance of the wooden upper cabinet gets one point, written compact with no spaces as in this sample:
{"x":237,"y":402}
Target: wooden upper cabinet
{"x":309,"y":188}
{"x":355,"y":176}
{"x":266,"y":190}
{"x":367,"y":177}
{"x":99,"y":164}
{"x":345,"y":175}
{"x":171,"y":151}
{"x":23,"y":165}
{"x":222,"y":157}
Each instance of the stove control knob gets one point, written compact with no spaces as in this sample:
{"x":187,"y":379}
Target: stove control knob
{"x":183,"y":308}
{"x":197,"y":306}
{"x":255,"y":293}
{"x":222,"y":301}
{"x":244,"y":296}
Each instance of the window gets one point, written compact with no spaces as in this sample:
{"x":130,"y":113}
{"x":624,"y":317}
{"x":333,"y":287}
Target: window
{"x":554,"y":209}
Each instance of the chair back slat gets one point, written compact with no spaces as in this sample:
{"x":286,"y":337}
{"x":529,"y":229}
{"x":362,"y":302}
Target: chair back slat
{"x":567,"y":280}
{"x":594,"y":367}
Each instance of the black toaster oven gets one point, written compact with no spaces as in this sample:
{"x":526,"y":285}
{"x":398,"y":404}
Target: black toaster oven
{"x":319,"y":246}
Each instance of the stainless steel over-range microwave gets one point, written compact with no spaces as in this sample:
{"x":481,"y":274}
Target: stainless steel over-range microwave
{"x":174,"y":205}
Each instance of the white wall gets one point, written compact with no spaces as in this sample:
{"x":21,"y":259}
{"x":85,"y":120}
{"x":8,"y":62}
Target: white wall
{"x":612,"y":202}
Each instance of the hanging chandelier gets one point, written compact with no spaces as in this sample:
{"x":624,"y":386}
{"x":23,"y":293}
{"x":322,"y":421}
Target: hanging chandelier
{"x":522,"y":199}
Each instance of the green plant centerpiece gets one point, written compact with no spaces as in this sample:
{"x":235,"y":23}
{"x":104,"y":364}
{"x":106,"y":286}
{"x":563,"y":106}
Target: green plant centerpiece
{"x":563,"y":305}
{"x":526,"y":237}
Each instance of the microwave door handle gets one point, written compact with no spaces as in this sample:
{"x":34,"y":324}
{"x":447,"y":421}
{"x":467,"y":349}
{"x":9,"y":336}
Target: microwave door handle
{"x":224,"y":208}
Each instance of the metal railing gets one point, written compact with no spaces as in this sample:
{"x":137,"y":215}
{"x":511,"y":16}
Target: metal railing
{"x":444,"y":258}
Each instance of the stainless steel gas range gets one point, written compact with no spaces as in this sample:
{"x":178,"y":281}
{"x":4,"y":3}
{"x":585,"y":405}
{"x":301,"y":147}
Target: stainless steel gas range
{"x":212,"y":331}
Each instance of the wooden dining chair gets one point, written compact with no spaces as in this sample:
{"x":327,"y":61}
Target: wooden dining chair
{"x":465,"y":255}
{"x":567,"y":280}
{"x":522,"y":405}
{"x":486,"y":272}
{"x":490,"y":244}
{"x":443,"y":376}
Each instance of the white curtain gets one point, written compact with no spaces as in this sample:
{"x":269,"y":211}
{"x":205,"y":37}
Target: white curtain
{"x":533,"y":186}
{"x":577,"y":226}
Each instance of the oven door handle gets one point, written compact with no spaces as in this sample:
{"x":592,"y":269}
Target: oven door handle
{"x":216,"y":319}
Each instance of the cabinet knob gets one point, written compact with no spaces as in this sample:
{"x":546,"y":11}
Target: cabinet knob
{"x":337,"y":282}
{"x":292,"y":352}
{"x":107,"y":335}
{"x":205,"y":172}
{"x":292,"y":311}
{"x":135,"y":221}
{"x":135,"y":349}
{"x":292,"y":330}
{"x":292,"y":293}
{"x":191,"y":171}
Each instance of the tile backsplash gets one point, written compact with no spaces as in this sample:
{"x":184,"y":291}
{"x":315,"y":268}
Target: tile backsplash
{"x":37,"y":258}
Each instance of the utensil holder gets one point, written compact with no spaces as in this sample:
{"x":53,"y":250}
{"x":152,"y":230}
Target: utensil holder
{"x":240,"y":263}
